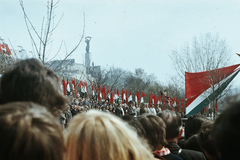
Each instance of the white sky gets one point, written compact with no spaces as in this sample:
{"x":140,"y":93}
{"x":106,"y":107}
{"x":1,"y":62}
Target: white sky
{"x":128,"y":33}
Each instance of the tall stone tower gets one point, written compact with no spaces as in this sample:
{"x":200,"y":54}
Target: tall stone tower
{"x":87,"y":54}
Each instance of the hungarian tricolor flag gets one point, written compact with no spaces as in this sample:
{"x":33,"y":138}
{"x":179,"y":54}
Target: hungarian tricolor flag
{"x":99,"y":92}
{"x":5,"y":49}
{"x":136,"y":98}
{"x":74,"y":86}
{"x":142,"y":97}
{"x":86,"y":89}
{"x":199,"y":92}
{"x":108,"y":93}
{"x":68,"y":86}
{"x":154,"y":99}
{"x":104,"y":96}
{"x":64,"y":87}
{"x":117,"y":93}
{"x":126,"y":97}
{"x":93,"y":90}
{"x":80,"y":84}
{"x":130,"y":96}
{"x":159,"y":100}
{"x":111,"y":97}
{"x":150,"y":100}
{"x":123,"y":96}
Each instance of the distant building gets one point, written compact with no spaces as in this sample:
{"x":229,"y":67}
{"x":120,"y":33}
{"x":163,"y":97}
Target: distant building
{"x":71,"y":69}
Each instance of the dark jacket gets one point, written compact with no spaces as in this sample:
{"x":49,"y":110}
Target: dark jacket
{"x":74,"y":112}
{"x":185,"y":154}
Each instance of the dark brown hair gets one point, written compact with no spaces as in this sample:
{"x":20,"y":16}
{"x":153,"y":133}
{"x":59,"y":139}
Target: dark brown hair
{"x":173,"y":123}
{"x":226,"y":131}
{"x":30,"y":80}
{"x":28,"y":131}
{"x":155,"y":131}
{"x":205,"y":139}
{"x":193,"y":125}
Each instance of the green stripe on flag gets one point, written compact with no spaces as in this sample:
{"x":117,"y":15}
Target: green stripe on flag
{"x":211,"y":97}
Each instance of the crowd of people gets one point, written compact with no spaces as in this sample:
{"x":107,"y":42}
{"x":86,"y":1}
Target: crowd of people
{"x":39,"y":122}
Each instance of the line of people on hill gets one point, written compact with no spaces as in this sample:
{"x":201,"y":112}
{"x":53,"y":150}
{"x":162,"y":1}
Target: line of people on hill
{"x":31,"y":104}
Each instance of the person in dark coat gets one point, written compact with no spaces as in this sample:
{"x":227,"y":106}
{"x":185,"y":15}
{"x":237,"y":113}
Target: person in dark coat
{"x":74,"y":110}
{"x":174,"y":132}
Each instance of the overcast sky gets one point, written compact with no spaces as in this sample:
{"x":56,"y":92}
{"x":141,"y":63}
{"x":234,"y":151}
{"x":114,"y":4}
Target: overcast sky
{"x":127,"y":33}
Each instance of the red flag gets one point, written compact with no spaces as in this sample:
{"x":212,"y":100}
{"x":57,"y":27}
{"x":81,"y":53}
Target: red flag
{"x":108,"y":91}
{"x":130,"y":96}
{"x":95,"y":87}
{"x":142,"y":96}
{"x":159,"y":99}
{"x":123,"y":95}
{"x":74,"y":87}
{"x":64,"y":87}
{"x":67,"y":85}
{"x":171,"y":102}
{"x":86,"y":88}
{"x":164,"y":103}
{"x":8,"y":50}
{"x":126,"y":97}
{"x":1,"y":51}
{"x":104,"y":93}
{"x":117,"y":92}
{"x":154,"y":98}
{"x":80,"y":84}
{"x":111,"y":98}
{"x":150,"y":100}
{"x":138,"y":97}
{"x":99,"y":92}
{"x":92,"y":86}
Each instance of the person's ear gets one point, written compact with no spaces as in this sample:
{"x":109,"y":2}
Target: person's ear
{"x":180,"y":133}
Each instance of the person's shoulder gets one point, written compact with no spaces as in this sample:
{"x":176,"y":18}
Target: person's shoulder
{"x":172,"y":156}
{"x":193,"y":155}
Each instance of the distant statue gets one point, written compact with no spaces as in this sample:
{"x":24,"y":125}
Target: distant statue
{"x":87,"y":40}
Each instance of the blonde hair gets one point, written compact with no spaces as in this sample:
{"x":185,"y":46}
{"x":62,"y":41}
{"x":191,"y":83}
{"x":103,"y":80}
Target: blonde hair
{"x":101,"y":136}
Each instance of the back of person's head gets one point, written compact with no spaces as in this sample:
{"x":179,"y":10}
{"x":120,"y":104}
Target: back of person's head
{"x":173,"y":123}
{"x":30,"y":80}
{"x":226,"y":132}
{"x":28,"y":131}
{"x":155,"y":131}
{"x":206,"y":141}
{"x":102,"y":136}
{"x":135,"y":124}
{"x":193,"y":125}
{"x":143,"y":110}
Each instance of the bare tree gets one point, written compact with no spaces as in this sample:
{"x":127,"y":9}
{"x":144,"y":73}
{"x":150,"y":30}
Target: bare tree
{"x":208,"y":52}
{"x":42,"y":40}
{"x":204,"y":53}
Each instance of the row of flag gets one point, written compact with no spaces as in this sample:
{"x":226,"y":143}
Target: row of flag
{"x":112,"y":94}
{"x":4,"y":49}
